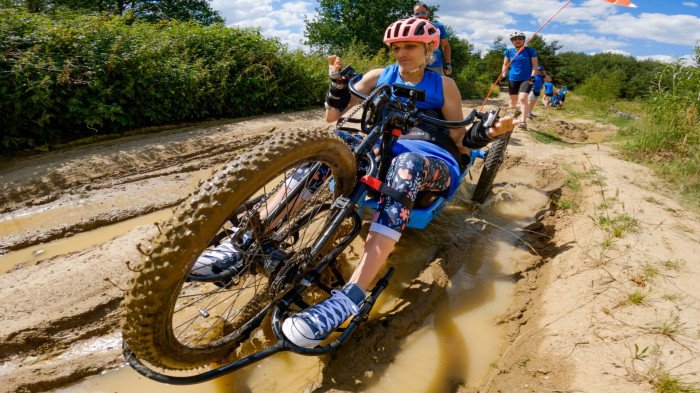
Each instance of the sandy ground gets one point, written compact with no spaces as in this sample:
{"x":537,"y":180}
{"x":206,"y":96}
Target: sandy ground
{"x":608,"y":301}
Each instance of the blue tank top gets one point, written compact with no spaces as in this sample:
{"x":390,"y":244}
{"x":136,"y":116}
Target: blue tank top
{"x":431,"y":83}
{"x":434,"y":99}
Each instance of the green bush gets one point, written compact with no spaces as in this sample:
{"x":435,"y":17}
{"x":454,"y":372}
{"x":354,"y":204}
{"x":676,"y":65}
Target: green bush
{"x":69,"y":76}
{"x":669,"y":138}
{"x":602,"y":86}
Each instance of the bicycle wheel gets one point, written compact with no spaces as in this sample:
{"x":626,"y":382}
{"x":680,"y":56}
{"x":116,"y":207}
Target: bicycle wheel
{"x":492,"y":162}
{"x":175,"y":323}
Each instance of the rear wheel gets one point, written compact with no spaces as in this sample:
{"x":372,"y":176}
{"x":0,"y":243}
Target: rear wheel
{"x":492,"y":162}
{"x":174,"y":322}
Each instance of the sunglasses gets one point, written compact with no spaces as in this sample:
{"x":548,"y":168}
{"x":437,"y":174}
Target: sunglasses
{"x":421,"y":13}
{"x":517,"y":39}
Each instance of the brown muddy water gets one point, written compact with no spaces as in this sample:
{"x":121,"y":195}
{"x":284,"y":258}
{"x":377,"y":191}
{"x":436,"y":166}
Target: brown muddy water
{"x":457,"y":343}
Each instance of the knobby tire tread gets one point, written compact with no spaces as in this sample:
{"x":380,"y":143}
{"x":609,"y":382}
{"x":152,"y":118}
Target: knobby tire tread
{"x":158,"y":278}
{"x":493,"y":161}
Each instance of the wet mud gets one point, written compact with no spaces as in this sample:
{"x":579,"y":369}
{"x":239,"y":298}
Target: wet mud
{"x":60,"y":315}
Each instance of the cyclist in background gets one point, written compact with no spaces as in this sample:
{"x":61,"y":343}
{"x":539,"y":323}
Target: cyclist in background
{"x":540,"y":78}
{"x":521,"y":75}
{"x":548,"y":93}
{"x":420,"y":11}
{"x":561,"y":96}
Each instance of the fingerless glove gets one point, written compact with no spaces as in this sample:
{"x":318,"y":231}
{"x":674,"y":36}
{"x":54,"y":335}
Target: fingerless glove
{"x":476,"y":137}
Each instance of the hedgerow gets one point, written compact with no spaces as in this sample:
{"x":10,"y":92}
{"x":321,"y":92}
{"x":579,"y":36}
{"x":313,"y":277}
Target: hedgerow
{"x":68,"y":76}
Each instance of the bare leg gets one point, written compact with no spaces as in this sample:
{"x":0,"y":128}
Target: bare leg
{"x":524,"y":107}
{"x":513,"y":100}
{"x":377,"y":250}
{"x":275,"y":200}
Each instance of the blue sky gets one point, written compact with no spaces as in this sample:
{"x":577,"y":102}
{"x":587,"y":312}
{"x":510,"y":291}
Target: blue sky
{"x":660,"y":29}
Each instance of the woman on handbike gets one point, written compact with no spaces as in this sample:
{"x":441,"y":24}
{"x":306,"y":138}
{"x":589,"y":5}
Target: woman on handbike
{"x":427,"y":158}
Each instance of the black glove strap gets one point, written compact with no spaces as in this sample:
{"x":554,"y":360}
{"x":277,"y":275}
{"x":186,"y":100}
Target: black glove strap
{"x":337,"y":98}
{"x":476,"y":137}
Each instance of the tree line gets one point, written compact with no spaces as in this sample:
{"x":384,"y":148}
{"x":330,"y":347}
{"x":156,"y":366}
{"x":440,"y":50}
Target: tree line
{"x":76,"y":68}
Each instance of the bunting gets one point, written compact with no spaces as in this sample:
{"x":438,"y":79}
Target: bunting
{"x":625,"y":3}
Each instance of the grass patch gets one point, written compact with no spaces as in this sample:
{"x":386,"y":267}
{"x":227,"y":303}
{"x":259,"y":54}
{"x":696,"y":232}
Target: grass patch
{"x":523,"y":362}
{"x":637,"y":297}
{"x":650,"y":271}
{"x":574,"y":178}
{"x":565,"y":204}
{"x":547,"y":136}
{"x":598,"y":110}
{"x":676,"y":265}
{"x":673,"y":297}
{"x":664,"y":382}
{"x":620,"y":225}
{"x":668,"y":328}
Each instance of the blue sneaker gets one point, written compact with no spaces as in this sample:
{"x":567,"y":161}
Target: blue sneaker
{"x":225,"y":256}
{"x":309,"y":327}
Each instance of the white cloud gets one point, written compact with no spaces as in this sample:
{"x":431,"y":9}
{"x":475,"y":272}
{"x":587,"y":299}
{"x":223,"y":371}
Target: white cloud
{"x":275,"y":19}
{"x":661,"y":58}
{"x":583,"y":26}
{"x":582,"y":42}
{"x":669,"y":29}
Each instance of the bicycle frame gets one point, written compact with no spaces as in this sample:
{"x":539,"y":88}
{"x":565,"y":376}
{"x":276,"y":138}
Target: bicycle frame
{"x":389,"y":118}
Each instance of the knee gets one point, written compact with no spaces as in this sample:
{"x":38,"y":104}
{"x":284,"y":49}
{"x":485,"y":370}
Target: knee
{"x":405,"y":167}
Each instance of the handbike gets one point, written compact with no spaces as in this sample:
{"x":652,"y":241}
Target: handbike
{"x":184,"y":328}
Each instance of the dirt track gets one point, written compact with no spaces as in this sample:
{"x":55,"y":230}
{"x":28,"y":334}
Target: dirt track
{"x":572,"y":326}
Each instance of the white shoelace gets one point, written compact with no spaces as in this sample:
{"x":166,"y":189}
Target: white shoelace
{"x":337,"y":302}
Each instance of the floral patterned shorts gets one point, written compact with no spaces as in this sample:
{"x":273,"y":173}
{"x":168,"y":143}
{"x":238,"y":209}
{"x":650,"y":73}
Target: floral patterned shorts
{"x":409,"y":173}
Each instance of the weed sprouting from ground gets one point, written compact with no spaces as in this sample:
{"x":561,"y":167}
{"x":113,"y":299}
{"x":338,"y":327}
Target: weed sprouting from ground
{"x":669,"y":327}
{"x":637,"y":297}
{"x":664,"y":382}
{"x":620,"y":225}
{"x":677,"y":265}
{"x":650,"y":271}
{"x":565,"y":204}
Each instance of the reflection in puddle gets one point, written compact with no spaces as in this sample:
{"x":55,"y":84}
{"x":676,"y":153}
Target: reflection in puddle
{"x":455,"y":346}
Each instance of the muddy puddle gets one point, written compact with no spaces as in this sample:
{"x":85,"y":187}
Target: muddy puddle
{"x":455,"y":346}
{"x":35,"y":254}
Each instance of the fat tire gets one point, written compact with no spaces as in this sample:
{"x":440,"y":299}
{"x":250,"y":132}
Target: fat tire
{"x":154,"y":287}
{"x":492,"y":162}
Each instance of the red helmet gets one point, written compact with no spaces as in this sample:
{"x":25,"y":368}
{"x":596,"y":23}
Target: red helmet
{"x":412,"y":29}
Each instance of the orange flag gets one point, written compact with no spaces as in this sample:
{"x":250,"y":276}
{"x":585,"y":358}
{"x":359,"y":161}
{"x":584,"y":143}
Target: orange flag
{"x":626,"y":3}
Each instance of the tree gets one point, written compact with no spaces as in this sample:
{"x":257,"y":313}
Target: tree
{"x":494,"y":58}
{"x":462,"y":51}
{"x":183,"y":10}
{"x":340,"y":22}
{"x":546,"y":53}
{"x":151,"y":10}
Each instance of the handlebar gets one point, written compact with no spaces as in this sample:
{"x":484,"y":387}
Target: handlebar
{"x":354,"y":77}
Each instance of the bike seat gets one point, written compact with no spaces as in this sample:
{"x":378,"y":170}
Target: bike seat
{"x":425,"y":199}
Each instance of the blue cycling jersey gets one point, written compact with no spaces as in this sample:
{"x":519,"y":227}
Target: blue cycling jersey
{"x":431,"y":83}
{"x":437,"y":52}
{"x":549,"y":88}
{"x":521,"y":66}
{"x":539,"y":82}
{"x":434,"y":99}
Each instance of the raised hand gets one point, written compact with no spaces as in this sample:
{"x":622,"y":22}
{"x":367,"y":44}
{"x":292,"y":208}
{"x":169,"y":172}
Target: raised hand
{"x":335,"y":65}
